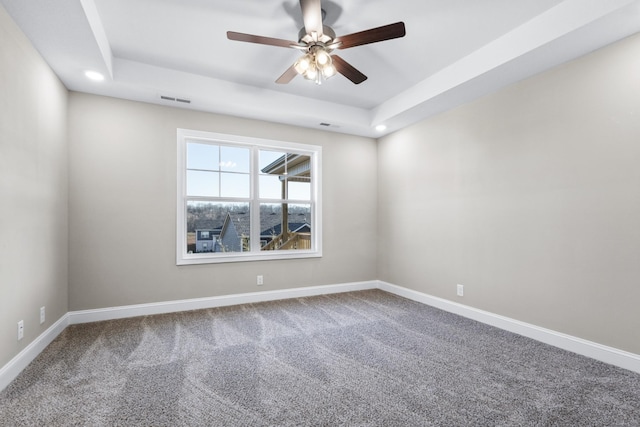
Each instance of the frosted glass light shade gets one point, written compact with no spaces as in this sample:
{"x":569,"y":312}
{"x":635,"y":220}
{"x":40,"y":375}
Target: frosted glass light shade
{"x":322,"y":58}
{"x":303,"y":63}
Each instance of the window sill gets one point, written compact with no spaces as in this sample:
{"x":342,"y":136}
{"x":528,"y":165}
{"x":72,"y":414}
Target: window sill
{"x":194,"y":259}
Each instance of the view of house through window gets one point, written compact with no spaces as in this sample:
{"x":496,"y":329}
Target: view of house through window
{"x":246,"y":197}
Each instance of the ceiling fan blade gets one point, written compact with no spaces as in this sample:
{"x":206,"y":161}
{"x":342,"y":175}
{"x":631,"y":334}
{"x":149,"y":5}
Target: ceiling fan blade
{"x":287,"y":76}
{"x":374,"y":35}
{"x":250,"y":38}
{"x":348,"y":70}
{"x":312,"y":16}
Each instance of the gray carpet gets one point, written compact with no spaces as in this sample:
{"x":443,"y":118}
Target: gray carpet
{"x":359,"y":359}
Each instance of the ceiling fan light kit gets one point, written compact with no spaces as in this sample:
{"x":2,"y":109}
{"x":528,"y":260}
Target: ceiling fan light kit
{"x":318,"y":41}
{"x":315,"y":65}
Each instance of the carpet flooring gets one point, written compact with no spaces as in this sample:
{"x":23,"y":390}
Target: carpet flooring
{"x":364,"y":358}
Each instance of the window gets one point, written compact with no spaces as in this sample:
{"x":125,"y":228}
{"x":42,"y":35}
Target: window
{"x":246,"y":199}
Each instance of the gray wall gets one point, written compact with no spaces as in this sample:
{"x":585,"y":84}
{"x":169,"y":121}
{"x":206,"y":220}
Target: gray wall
{"x":529,"y":197}
{"x":33,"y":191}
{"x":123,"y":197}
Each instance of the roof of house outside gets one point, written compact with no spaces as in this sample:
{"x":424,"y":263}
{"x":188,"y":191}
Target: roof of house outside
{"x":293,"y":166}
{"x":270,"y":222}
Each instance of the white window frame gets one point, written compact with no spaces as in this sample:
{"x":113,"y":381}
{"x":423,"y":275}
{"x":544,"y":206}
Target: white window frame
{"x":255,"y":144}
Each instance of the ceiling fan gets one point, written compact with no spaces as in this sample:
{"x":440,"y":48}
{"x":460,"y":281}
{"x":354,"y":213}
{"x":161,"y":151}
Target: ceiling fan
{"x":318,"y":41}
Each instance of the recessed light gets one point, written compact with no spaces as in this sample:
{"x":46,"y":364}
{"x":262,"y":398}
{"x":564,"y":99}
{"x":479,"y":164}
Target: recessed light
{"x":94,"y":75}
{"x":380,"y":128}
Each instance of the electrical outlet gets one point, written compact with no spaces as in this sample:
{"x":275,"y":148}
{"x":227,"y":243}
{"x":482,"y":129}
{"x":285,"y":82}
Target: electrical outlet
{"x":20,"y":330}
{"x":42,"y":315}
{"x":260,"y":280}
{"x":460,"y":290}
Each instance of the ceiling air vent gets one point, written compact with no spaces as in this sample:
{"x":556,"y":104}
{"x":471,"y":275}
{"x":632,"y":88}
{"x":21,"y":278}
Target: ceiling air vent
{"x":330,"y":125}
{"x":171,"y":98}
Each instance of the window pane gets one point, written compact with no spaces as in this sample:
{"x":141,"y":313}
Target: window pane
{"x":234,"y":159}
{"x":201,"y":183}
{"x":217,"y":227}
{"x":270,"y":187}
{"x":235,"y":185}
{"x":202,"y":156}
{"x":294,"y":219}
{"x":300,"y":189}
{"x":270,"y":222}
{"x":267,"y":158}
{"x":299,"y":216}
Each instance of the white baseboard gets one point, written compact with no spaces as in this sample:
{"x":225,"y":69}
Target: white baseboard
{"x":603,"y":353}
{"x":86,"y":316}
{"x":590,"y":349}
{"x":11,"y":370}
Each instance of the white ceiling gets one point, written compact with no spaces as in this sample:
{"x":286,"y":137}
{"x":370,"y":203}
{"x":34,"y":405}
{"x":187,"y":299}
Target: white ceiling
{"x":454,"y":52}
